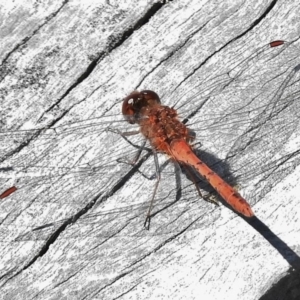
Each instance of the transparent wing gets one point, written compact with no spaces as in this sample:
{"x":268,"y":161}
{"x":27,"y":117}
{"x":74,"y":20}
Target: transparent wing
{"x":248,"y":141}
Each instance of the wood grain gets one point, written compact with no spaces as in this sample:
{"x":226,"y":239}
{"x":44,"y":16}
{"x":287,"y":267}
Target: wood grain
{"x":68,"y":66}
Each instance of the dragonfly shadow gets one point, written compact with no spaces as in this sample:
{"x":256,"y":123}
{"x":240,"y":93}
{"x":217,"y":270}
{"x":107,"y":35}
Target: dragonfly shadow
{"x":287,"y":288}
{"x":283,"y":249}
{"x":223,"y":170}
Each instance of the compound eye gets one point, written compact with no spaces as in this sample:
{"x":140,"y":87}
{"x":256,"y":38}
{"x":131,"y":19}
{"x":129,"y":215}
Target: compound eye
{"x":128,"y":109}
{"x":150,"y":95}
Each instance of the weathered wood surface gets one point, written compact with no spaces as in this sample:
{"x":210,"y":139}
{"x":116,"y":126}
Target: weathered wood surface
{"x":71,"y":63}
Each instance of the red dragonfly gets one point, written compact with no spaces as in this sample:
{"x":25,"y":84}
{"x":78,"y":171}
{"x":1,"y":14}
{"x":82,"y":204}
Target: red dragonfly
{"x":160,"y":125}
{"x":249,"y":116}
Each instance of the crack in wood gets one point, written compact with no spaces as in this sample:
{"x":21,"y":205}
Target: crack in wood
{"x":27,"y":38}
{"x":255,"y":23}
{"x":71,"y":220}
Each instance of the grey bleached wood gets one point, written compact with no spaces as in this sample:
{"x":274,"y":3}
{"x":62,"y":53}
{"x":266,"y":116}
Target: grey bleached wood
{"x":72,"y":74}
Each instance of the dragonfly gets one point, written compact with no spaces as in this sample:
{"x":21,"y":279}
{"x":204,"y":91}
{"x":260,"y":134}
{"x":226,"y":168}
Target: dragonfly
{"x":161,"y":126}
{"x":247,"y":116}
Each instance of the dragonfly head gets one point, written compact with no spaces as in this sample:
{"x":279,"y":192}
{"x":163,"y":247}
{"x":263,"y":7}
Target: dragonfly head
{"x":136,"y":102}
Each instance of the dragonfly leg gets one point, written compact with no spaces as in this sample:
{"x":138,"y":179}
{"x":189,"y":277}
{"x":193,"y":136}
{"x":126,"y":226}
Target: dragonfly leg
{"x":157,"y":171}
{"x":147,"y":222}
{"x":151,"y":177}
{"x":196,"y":144}
{"x":139,"y":152}
{"x":140,"y":148}
{"x":177,"y":171}
{"x":133,"y":161}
